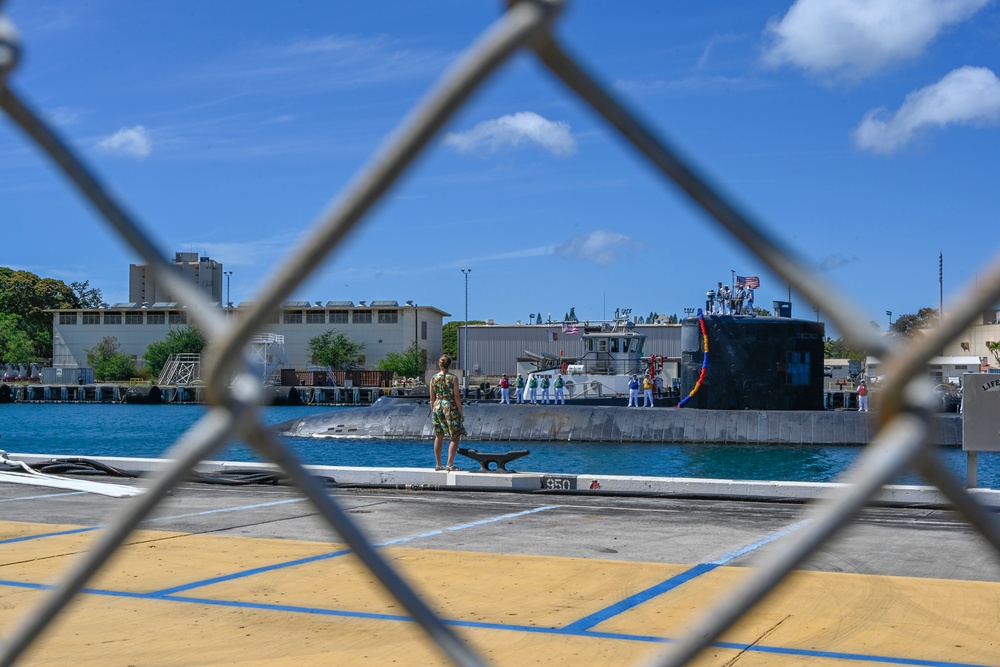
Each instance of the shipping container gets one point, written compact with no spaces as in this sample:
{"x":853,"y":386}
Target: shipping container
{"x":67,"y":376}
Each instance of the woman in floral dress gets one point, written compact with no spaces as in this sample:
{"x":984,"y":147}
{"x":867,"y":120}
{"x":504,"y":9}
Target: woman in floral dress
{"x":446,"y":413}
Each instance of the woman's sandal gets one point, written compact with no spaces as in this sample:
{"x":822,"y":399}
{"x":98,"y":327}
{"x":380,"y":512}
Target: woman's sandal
{"x":451,"y":468}
{"x":440,"y":468}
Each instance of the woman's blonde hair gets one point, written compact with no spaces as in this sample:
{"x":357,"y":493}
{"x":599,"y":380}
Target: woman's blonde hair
{"x":444,"y":362}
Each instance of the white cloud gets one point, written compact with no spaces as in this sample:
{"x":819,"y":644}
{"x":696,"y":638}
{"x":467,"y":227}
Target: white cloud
{"x":598,"y":247}
{"x":691,"y":85}
{"x":836,"y":261}
{"x":852,"y":39}
{"x":128,"y":141}
{"x":966,"y":96}
{"x":715,"y":41}
{"x":65,"y":116}
{"x":515,"y":130}
{"x":321,"y":64}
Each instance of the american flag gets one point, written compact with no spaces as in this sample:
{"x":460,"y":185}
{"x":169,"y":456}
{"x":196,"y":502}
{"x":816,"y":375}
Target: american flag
{"x":570,"y":328}
{"x":753,"y":282}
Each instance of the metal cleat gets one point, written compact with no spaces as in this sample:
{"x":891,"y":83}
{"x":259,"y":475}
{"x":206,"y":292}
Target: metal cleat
{"x":500,"y":460}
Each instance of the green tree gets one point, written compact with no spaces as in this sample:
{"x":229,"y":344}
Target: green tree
{"x":673,"y":319}
{"x":186,"y":340}
{"x":994,"y":348}
{"x":572,"y":315}
{"x":109,"y":362}
{"x":839,"y":349}
{"x":910,"y":325}
{"x":24,"y":294}
{"x":16,"y":345}
{"x":538,"y":318}
{"x":335,"y":350}
{"x":409,"y":363}
{"x":761,"y":312}
{"x":449,"y":336}
{"x":87,"y":296}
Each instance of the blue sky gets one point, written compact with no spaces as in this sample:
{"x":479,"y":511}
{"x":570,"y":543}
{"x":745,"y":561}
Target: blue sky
{"x":866,"y":134}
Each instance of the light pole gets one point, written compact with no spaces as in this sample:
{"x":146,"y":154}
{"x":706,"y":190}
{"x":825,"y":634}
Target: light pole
{"x":228,"y":274}
{"x":416,"y":344}
{"x":416,"y":318}
{"x":465,"y":354}
{"x":414,"y":307}
{"x":889,"y":313}
{"x":689,"y":311}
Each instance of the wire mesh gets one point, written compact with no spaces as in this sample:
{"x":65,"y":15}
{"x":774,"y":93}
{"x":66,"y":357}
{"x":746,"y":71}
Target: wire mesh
{"x":905,"y":420}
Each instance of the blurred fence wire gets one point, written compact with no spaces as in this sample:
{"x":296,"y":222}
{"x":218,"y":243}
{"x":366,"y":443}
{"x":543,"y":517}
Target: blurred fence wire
{"x":903,"y":441}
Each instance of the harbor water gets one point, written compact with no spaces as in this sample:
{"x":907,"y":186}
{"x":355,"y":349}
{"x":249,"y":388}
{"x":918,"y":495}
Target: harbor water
{"x":147,"y":431}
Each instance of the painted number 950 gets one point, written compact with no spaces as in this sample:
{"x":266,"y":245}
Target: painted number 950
{"x":559,"y":483}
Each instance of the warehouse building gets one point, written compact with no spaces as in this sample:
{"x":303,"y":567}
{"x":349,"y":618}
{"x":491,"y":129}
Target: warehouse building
{"x":381,"y":326}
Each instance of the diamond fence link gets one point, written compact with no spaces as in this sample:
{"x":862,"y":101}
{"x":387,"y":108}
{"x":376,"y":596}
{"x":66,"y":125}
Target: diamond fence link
{"x":234,"y":395}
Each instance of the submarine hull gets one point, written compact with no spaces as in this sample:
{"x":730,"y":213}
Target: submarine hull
{"x":403,"y":419}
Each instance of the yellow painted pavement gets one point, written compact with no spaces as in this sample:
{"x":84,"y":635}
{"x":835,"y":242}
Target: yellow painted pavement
{"x":814,"y":614}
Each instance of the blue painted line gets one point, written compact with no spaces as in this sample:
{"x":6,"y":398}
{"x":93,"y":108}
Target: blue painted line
{"x":292,"y":608}
{"x":38,"y":536}
{"x":249,"y":573}
{"x":621,"y":607}
{"x":223,"y":510}
{"x":476,"y":625}
{"x":483,"y":522}
{"x":312,"y":559}
{"x":578,"y":628}
{"x":837,"y":655}
{"x":673,"y":582}
{"x":725,"y":558}
{"x":784,"y":650}
{"x":240,"y":508}
{"x":47,"y":495}
{"x":24,"y":584}
{"x":463,"y":526}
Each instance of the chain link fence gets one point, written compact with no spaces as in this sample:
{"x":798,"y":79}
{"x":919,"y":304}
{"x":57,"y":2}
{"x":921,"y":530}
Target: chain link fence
{"x":234,"y":393}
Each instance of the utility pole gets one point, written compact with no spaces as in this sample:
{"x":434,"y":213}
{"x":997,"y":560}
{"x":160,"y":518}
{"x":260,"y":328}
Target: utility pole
{"x":940,"y":287}
{"x":465,"y":354}
{"x":229,"y":303}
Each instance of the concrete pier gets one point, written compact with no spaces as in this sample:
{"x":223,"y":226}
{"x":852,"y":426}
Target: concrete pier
{"x":251,"y":575}
{"x":119,"y":393}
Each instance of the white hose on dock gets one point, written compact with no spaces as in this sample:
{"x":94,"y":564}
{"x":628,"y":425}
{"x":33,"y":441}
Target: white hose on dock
{"x":35,"y":478}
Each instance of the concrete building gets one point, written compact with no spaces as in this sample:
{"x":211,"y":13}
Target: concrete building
{"x":205,"y":272}
{"x":151,"y":312}
{"x":942,"y":370}
{"x":975,"y":341}
{"x":382,"y":326}
{"x":969,"y":352}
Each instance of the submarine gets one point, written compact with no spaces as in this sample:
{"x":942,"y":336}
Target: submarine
{"x":744,"y":380}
